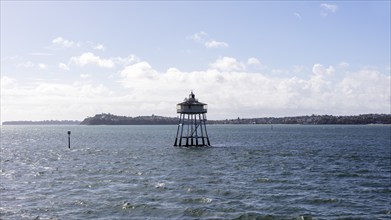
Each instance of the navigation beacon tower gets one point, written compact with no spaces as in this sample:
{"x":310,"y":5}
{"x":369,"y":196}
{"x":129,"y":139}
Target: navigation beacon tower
{"x":191,"y":130}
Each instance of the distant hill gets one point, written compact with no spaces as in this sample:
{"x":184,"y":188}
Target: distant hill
{"x":46,"y":122}
{"x":313,"y":119}
{"x":109,"y":119}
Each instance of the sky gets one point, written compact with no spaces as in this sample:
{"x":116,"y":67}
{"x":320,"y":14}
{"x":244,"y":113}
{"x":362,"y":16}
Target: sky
{"x":67,"y":60}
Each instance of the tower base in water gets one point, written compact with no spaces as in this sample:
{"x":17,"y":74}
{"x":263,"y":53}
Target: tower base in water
{"x":191,"y":131}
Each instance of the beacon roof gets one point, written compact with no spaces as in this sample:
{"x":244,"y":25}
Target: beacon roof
{"x":191,"y":106}
{"x":191,"y":100}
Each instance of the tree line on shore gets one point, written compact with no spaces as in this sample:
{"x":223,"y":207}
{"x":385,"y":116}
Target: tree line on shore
{"x":110,"y":119}
{"x":312,"y":119}
{"x":45,"y":122}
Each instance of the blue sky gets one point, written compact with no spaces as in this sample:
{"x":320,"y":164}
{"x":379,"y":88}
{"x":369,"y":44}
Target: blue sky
{"x":70,"y":60}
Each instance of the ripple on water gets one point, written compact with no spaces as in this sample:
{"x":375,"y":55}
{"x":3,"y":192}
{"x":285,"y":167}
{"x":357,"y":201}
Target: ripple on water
{"x":257,"y":216}
{"x":201,"y":200}
{"x":195,"y":212}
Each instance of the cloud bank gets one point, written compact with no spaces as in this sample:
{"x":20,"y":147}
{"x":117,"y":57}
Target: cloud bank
{"x":233,"y":92}
{"x":136,"y":88}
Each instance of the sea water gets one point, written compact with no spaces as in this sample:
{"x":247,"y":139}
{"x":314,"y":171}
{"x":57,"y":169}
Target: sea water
{"x":250,"y":172}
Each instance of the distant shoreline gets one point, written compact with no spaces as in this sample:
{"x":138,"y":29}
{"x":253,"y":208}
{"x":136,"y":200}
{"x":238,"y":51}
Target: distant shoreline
{"x":109,"y":119}
{"x":45,"y":122}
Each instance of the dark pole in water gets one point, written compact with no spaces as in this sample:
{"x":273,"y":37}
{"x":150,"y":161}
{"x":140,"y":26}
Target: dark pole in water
{"x":69,"y":139}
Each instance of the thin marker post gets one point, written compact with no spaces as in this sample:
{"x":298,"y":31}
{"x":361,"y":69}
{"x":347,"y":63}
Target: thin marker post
{"x":69,"y":139}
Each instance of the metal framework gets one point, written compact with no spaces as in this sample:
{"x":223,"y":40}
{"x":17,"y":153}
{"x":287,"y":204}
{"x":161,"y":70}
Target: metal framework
{"x":191,"y":131}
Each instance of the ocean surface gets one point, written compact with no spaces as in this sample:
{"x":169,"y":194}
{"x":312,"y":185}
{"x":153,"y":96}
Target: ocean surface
{"x":251,"y":172}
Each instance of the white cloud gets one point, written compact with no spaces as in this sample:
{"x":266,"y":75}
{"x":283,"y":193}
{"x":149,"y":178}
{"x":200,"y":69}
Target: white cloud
{"x":297,"y":69}
{"x":253,"y":61}
{"x":96,"y":46}
{"x":203,"y":38}
{"x":131,"y":59}
{"x":41,"y":54}
{"x":227,"y":64}
{"x":215,"y":44}
{"x":199,"y":37}
{"x":85,"y":76}
{"x":366,"y":89}
{"x":343,"y":64}
{"x":328,"y":8}
{"x":141,"y":70}
{"x":61,"y":42}
{"x":55,"y":101}
{"x":42,"y":66}
{"x":297,"y":15}
{"x":63,"y":66}
{"x":277,"y":71}
{"x":27,"y":64}
{"x":99,"y":47}
{"x":90,"y":58}
{"x":7,"y":81}
{"x":320,"y":70}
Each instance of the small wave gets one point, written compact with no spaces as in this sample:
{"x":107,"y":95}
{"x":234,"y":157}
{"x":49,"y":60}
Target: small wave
{"x":128,"y":205}
{"x":305,"y":217}
{"x":264,"y":180}
{"x":268,"y":180}
{"x":195,"y":212}
{"x":81,"y":203}
{"x":325,"y":201}
{"x":248,"y":216}
{"x":202,"y":200}
{"x":159,"y":185}
{"x":39,"y":173}
{"x":347,"y":175}
{"x":220,"y":145}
